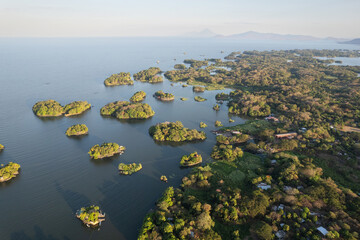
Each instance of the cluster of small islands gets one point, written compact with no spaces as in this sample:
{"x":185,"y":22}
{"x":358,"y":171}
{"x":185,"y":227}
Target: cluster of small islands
{"x":290,"y":172}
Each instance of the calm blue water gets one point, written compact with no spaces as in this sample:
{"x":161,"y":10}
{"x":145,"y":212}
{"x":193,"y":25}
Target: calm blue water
{"x":57,"y":177}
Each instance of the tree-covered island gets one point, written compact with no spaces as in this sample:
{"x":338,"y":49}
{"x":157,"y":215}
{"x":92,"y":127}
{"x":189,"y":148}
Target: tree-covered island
{"x":105,"y":150}
{"x":164,"y":96}
{"x":91,"y":216}
{"x":174,"y":132}
{"x":77,"y":130}
{"x":76,"y":108}
{"x":1,"y":147}
{"x":128,"y":169}
{"x":138,"y":97}
{"x":150,"y":75}
{"x":52,"y":108}
{"x":122,"y":78}
{"x":127,"y":110}
{"x":48,"y":108}
{"x":190,"y":160}
{"x":199,"y":99}
{"x":9,"y":171}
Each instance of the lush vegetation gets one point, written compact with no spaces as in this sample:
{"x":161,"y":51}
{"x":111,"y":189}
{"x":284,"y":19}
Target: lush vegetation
{"x":126,"y":110}
{"x":149,"y":75}
{"x":1,"y":147}
{"x":76,"y":108}
{"x":122,"y":78}
{"x":105,"y":150}
{"x":216,"y":107}
{"x":128,"y":169}
{"x":138,"y":96}
{"x":198,"y":89}
{"x":51,"y":108}
{"x":179,"y":66}
{"x":196,"y":63}
{"x":163,"y":178}
{"x":199,"y":99}
{"x":183,"y":99}
{"x":202,"y":125}
{"x":91,"y":216}
{"x":9,"y":171}
{"x":218,"y":124}
{"x":175,"y":132}
{"x":48,"y":108}
{"x":305,"y":172}
{"x":190,"y":160}
{"x":76,"y":130}
{"x":164,"y":96}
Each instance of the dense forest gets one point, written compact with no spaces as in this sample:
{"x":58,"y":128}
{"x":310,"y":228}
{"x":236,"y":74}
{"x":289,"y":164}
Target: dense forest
{"x":150,"y":75}
{"x":127,"y":110}
{"x":52,"y":108}
{"x":292,"y":172}
{"x":175,"y":132}
{"x":105,"y":150}
{"x":119,"y":79}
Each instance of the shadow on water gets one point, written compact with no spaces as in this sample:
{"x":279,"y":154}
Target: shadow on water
{"x":126,"y":121}
{"x":39,"y":235}
{"x":73,"y":199}
{"x":123,"y":205}
{"x":11,"y":181}
{"x":103,"y":161}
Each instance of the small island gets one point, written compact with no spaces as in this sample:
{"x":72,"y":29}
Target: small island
{"x":222,"y":96}
{"x":127,"y":110}
{"x":191,"y":160}
{"x":76,"y":108}
{"x":1,"y":147}
{"x":91,"y":216}
{"x":77,"y":130}
{"x":231,"y":120}
{"x":122,"y":78}
{"x":149,"y":75}
{"x":138,"y":97}
{"x":203,"y":125}
{"x":174,"y":132}
{"x":179,"y":66}
{"x":163,"y":178}
{"x":198,"y":89}
{"x":52,"y":108}
{"x":9,"y":171}
{"x":216,"y":107}
{"x":128,"y":169}
{"x":160,"y":95}
{"x":199,"y":99}
{"x":183,"y":99}
{"x":105,"y":150}
{"x":218,"y":124}
{"x":48,"y":108}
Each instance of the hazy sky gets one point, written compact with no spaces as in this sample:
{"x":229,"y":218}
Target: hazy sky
{"x":84,"y":18}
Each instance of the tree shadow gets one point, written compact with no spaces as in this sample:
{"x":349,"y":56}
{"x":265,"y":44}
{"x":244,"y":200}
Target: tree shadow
{"x":74,"y":200}
{"x":39,"y":235}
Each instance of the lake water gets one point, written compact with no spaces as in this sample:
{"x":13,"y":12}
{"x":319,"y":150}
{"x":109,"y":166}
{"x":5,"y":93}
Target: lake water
{"x":57,"y":177}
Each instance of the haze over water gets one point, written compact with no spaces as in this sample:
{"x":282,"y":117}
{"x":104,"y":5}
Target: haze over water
{"x":57,"y":176}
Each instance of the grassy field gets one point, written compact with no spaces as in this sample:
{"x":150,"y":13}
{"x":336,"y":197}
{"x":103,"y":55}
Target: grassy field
{"x":350,"y":129}
{"x":252,"y":126}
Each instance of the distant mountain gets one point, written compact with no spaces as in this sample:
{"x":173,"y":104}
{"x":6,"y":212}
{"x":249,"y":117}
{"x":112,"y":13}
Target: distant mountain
{"x":206,"y":33}
{"x":354,"y":41}
{"x":251,"y":35}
